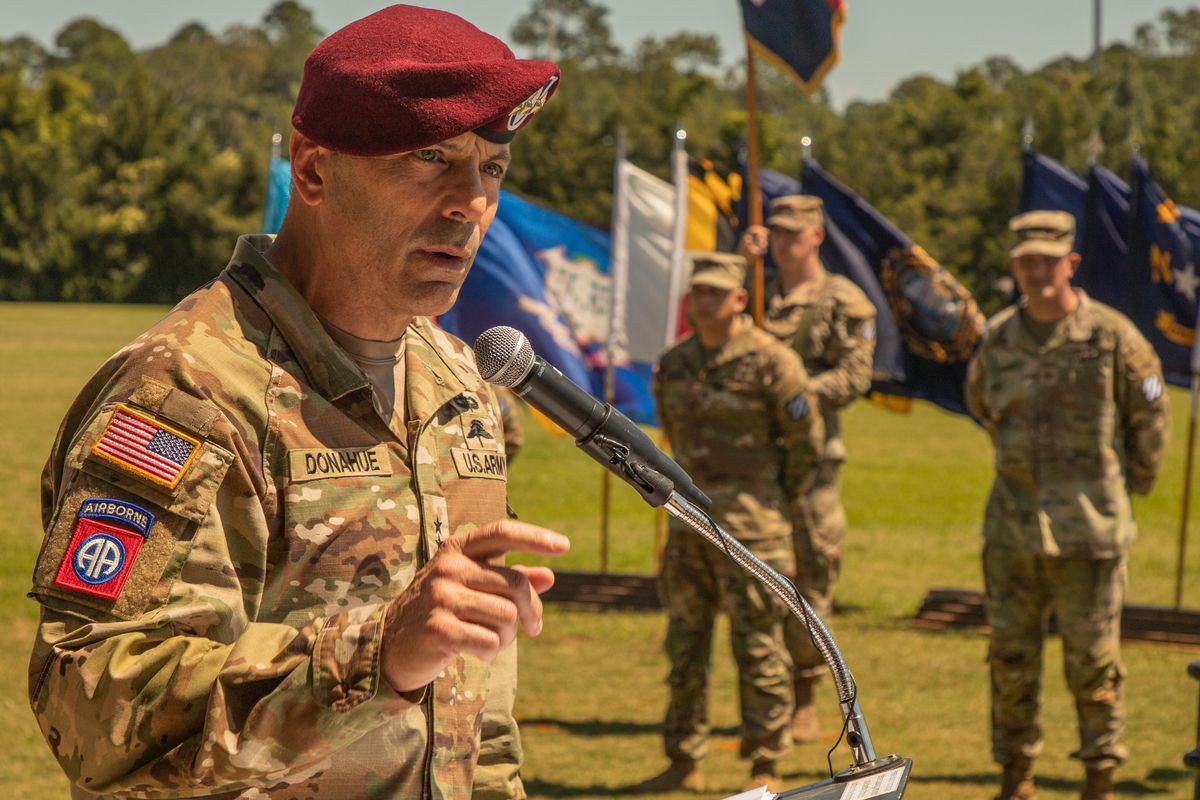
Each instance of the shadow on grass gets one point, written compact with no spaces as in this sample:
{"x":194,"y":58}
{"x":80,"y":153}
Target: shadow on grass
{"x":536,"y":787}
{"x":1124,"y":788}
{"x":610,"y":727}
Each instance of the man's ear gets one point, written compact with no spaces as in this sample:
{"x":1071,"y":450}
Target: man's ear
{"x":309,"y":163}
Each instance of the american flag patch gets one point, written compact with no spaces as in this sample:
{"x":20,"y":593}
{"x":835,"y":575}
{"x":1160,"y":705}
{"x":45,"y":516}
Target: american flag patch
{"x":147,"y":448}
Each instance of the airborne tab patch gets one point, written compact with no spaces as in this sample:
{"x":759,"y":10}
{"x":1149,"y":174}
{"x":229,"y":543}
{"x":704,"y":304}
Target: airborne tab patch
{"x":490,"y":464}
{"x":149,"y":449}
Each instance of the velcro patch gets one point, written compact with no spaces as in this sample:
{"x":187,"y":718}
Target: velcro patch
{"x":149,"y":449}
{"x":797,"y":407}
{"x":99,"y":558}
{"x":490,"y":464}
{"x":312,"y":463}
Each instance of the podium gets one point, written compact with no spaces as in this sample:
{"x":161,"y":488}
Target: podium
{"x":887,"y":783}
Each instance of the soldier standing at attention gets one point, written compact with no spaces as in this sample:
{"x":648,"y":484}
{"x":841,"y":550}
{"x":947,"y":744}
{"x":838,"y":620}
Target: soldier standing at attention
{"x":737,"y":408}
{"x":1072,"y":397}
{"x":831,"y":324}
{"x":275,"y":521}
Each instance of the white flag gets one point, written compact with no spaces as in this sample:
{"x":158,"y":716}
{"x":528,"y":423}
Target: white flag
{"x":646,"y":261}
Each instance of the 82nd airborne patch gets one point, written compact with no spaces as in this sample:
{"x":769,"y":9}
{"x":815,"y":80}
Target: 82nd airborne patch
{"x":100,"y":555}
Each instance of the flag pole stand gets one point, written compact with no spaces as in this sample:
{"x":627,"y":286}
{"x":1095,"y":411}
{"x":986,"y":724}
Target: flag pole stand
{"x":1187,"y":490}
{"x":753,"y":197}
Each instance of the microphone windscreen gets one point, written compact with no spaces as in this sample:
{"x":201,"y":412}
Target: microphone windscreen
{"x":504,"y":355}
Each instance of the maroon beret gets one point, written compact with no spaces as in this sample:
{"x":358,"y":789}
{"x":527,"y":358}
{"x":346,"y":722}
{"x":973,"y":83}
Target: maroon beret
{"x":406,"y":77}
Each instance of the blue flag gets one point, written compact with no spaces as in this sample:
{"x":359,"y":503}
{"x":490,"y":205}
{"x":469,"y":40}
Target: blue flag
{"x":1048,"y":185}
{"x":800,"y":37}
{"x":547,"y":275}
{"x":928,"y":324}
{"x":1163,"y":273}
{"x":279,"y":189}
{"x":1104,"y":272}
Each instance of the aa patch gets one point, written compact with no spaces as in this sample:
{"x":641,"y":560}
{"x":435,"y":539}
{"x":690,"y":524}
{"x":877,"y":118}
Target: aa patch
{"x":1152,"y":388}
{"x":797,"y":407}
{"x":149,"y":449}
{"x":100,"y":555}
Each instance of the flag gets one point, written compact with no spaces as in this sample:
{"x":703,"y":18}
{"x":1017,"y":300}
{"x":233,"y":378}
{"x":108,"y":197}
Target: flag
{"x":279,"y":189}
{"x":1048,"y":185}
{"x":646,"y":279}
{"x":547,"y":275}
{"x":1104,"y":273}
{"x":1164,"y":275}
{"x":927,"y":323}
{"x":711,"y":215}
{"x":799,"y":37}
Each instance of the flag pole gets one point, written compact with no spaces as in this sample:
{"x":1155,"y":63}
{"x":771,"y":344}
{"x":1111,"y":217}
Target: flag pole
{"x":620,"y":250}
{"x":1187,"y":472}
{"x":753,"y":198}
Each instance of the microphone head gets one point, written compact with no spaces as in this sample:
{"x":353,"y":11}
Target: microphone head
{"x":504,"y":354}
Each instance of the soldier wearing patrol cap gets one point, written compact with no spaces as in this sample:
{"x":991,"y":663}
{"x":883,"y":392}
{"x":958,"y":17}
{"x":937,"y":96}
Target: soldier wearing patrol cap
{"x":275,"y":522}
{"x":1072,"y":396}
{"x":830,"y":322}
{"x":741,"y":418}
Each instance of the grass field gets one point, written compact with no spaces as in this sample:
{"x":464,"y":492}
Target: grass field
{"x":592,"y":686}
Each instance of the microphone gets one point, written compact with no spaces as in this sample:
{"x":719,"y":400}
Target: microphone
{"x":506,"y":358}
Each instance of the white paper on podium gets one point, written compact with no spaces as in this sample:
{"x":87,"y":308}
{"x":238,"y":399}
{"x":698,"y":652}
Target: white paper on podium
{"x":761,"y":793}
{"x":874,"y":785}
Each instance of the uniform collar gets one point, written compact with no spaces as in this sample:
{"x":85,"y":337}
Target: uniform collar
{"x":329,"y":368}
{"x":738,"y":345}
{"x":802,"y":294}
{"x":1078,"y":326}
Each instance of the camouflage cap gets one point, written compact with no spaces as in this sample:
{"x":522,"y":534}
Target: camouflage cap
{"x":1044,"y":233}
{"x":796,"y":212}
{"x":722,"y":270}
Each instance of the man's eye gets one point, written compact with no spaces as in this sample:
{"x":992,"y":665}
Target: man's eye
{"x":494,"y":170}
{"x":426,"y":155}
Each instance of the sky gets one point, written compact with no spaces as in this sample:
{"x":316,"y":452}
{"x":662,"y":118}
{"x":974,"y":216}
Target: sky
{"x":883,"y":41}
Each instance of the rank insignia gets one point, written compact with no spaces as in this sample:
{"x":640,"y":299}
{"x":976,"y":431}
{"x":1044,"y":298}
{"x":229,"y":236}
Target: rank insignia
{"x":147,"y":448}
{"x":100,"y":554}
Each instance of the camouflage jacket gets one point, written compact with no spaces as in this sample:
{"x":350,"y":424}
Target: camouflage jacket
{"x":742,"y":421}
{"x":1077,"y":423}
{"x":213,"y":593}
{"x":831,"y":324}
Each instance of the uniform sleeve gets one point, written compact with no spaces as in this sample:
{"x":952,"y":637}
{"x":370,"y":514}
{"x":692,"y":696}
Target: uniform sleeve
{"x":173,"y":689}
{"x":849,"y":355}
{"x":798,"y":418}
{"x":498,"y":771}
{"x":510,"y":417}
{"x":973,"y":389}
{"x":1144,"y":409}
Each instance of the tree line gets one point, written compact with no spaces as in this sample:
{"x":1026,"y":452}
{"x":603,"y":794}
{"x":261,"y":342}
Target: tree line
{"x":126,"y":175}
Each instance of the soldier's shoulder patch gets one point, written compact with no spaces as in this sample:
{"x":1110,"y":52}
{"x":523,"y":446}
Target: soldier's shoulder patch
{"x":103,"y":547}
{"x":1152,"y":388}
{"x":797,"y":407}
{"x":137,"y":443}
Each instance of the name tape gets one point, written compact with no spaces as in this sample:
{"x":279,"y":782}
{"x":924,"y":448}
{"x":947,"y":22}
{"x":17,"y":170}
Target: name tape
{"x":490,"y":464}
{"x":346,"y":462}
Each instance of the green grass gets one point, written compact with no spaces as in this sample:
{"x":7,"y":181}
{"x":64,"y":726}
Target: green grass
{"x":593,"y":685}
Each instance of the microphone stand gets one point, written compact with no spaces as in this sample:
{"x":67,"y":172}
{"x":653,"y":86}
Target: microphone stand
{"x":658,"y":490}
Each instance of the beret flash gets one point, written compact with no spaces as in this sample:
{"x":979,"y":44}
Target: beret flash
{"x":407,"y":77}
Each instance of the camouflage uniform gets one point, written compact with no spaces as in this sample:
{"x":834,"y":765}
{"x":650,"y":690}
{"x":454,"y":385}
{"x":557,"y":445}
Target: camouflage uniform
{"x":741,"y":422}
{"x":1078,"y":422}
{"x":510,"y":416}
{"x":240,"y":657}
{"x":831,"y":324}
